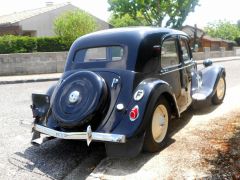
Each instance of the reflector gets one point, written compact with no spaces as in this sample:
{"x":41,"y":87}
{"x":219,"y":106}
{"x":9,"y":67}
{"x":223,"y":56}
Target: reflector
{"x":133,"y":115}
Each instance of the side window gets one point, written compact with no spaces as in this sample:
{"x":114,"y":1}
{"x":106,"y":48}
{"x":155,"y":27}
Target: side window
{"x":169,"y":55}
{"x":184,"y":49}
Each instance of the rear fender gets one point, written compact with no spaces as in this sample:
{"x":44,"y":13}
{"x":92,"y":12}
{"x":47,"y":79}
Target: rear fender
{"x":152,"y":89}
{"x":51,"y":89}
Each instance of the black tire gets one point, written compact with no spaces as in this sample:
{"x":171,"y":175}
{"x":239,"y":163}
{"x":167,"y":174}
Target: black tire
{"x":92,"y":92}
{"x":150,"y":144}
{"x":218,"y":96}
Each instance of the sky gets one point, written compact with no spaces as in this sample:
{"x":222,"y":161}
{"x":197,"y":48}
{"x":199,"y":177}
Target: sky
{"x":208,"y":11}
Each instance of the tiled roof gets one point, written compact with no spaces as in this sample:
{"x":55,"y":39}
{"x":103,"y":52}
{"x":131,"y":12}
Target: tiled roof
{"x":201,"y":34}
{"x":190,"y":31}
{"x":19,"y":16}
{"x":209,"y":38}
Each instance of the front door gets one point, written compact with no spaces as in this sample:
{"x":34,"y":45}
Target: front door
{"x":186,"y":69}
{"x":171,"y":69}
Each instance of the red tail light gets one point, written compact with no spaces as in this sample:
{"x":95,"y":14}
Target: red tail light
{"x":133,"y":115}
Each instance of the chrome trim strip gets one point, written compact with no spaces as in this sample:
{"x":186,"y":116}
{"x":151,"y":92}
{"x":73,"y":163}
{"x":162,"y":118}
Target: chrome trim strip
{"x":117,"y":138}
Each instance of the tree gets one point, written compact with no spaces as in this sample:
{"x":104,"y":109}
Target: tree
{"x":70,"y":25}
{"x":126,"y":20}
{"x":223,"y":29}
{"x":174,"y":12}
{"x":238,"y":23}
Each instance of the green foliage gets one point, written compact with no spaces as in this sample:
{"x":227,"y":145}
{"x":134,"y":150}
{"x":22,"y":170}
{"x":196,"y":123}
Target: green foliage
{"x":223,"y":29}
{"x":126,"y":20}
{"x":238,"y":41}
{"x":238,"y":23}
{"x":73,"y":24}
{"x":17,"y":44}
{"x":24,"y":44}
{"x":51,"y":44}
{"x":154,"y":11}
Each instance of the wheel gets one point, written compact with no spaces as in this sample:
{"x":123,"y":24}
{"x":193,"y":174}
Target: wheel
{"x":220,"y":91}
{"x":157,"y":131}
{"x":79,"y":98}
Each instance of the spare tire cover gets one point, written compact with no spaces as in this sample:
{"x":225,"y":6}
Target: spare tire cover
{"x":78,"y":98}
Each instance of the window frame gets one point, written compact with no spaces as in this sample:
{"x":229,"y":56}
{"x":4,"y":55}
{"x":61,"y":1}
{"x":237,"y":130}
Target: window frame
{"x":108,"y":53}
{"x":186,"y":42}
{"x":172,"y":67}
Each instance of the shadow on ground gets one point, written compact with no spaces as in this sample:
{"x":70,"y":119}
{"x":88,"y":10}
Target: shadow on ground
{"x":57,"y":158}
{"x":125,"y":166}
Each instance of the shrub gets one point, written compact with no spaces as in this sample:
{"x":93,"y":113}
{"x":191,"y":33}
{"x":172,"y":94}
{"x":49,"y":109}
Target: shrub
{"x":238,"y":41}
{"x":24,"y":44}
{"x":51,"y":44}
{"x":72,"y":24}
{"x":17,"y":44}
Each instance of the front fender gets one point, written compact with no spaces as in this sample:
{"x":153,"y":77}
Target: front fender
{"x":210,"y":78}
{"x":153,"y":89}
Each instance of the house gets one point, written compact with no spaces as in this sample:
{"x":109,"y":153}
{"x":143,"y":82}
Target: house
{"x":199,"y":37}
{"x":39,"y":22}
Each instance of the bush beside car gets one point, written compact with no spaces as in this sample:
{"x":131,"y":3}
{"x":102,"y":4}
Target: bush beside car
{"x":25,"y":44}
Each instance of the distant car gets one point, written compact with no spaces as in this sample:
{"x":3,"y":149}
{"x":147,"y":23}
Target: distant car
{"x":122,"y":86}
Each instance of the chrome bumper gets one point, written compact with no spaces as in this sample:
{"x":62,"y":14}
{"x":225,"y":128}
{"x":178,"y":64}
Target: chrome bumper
{"x":88,"y":135}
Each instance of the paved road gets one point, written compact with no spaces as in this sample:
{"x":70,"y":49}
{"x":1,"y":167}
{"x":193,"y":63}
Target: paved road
{"x":55,"y":159}
{"x":19,"y":159}
{"x":233,"y":72}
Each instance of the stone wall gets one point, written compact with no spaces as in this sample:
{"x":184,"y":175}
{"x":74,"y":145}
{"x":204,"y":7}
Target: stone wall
{"x":216,"y":54}
{"x":32,"y":63}
{"x":53,"y":62}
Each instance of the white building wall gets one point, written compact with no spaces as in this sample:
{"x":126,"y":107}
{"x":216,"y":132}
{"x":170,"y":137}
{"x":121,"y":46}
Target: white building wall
{"x":43,"y":23}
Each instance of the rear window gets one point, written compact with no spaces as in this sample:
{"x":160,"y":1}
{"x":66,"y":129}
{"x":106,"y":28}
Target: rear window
{"x":98,"y":54}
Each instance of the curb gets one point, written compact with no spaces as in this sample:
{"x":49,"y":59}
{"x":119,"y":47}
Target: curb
{"x":28,"y":81}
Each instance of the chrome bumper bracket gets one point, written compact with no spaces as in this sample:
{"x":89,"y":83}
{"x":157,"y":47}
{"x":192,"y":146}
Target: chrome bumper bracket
{"x":88,"y":135}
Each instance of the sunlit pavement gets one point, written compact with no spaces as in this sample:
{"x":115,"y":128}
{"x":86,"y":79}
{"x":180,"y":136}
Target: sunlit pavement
{"x":58,"y":159}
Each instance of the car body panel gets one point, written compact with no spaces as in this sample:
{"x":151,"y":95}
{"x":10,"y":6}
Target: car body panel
{"x":209,"y":80}
{"x":155,"y":63}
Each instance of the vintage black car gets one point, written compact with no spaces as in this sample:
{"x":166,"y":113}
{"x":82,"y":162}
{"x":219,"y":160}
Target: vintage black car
{"x":123,"y":86}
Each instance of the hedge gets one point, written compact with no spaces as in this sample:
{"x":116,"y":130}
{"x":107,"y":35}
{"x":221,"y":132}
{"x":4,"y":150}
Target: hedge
{"x":51,"y":44}
{"x":238,"y":41}
{"x":24,"y":44}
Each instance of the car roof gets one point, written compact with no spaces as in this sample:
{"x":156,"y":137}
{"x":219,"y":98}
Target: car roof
{"x":135,"y":38}
{"x":136,"y":33}
{"x":143,"y":30}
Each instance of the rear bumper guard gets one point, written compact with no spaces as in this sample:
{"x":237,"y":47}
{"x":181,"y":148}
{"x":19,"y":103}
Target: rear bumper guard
{"x":88,"y":135}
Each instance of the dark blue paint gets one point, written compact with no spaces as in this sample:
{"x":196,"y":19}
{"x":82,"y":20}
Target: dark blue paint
{"x":133,"y":75}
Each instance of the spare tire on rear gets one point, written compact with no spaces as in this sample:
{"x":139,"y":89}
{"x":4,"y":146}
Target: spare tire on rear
{"x":78,"y":98}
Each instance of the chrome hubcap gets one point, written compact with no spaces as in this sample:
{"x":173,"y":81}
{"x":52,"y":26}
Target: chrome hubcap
{"x":159,"y":123}
{"x":220,"y":88}
{"x":74,"y":96}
